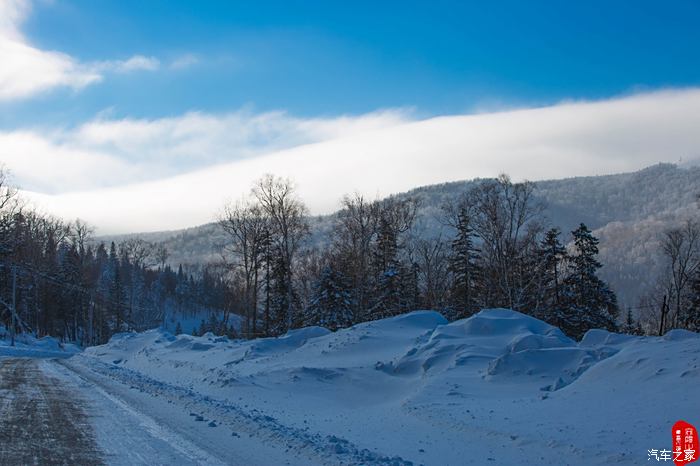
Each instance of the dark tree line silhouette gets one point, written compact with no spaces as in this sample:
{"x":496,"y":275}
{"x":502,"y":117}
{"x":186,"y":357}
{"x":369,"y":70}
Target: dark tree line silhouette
{"x":496,"y":250}
{"x":370,"y":266}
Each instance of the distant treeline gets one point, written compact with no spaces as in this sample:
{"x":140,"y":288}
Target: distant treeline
{"x":500,"y":253}
{"x":55,"y":281}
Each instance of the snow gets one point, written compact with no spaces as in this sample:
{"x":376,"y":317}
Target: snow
{"x":497,"y":388}
{"x":191,"y":320}
{"x":133,"y":429}
{"x":28,"y":345}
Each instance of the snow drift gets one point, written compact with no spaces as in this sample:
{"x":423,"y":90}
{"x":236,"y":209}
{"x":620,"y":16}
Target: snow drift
{"x":27,"y":345}
{"x":498,"y":387}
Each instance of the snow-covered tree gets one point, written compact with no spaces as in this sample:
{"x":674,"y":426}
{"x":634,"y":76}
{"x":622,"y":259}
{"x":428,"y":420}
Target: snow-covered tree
{"x":631,"y":326}
{"x":331,"y":304}
{"x":387,"y":291}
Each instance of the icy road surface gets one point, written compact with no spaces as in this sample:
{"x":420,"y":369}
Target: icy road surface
{"x":42,"y":421}
{"x":52,"y":415}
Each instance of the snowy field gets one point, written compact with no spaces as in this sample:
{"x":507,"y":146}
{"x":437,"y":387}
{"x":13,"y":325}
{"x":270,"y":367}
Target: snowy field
{"x":498,"y":388}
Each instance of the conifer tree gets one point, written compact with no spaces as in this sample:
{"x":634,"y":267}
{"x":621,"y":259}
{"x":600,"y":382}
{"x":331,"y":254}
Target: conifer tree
{"x":388,"y":286}
{"x":631,"y":326}
{"x":409,"y":299}
{"x":692,"y":318}
{"x":331,"y":303}
{"x":282,"y":298}
{"x":552,"y":257}
{"x":465,"y":268}
{"x":115,"y":294}
{"x":589,"y":301}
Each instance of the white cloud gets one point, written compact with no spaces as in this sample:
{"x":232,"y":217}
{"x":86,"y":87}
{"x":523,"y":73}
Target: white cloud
{"x":130,"y":150}
{"x":12,"y":13}
{"x":135,"y":63}
{"x":374,"y":154}
{"x":39,"y":163}
{"x":26,"y":70}
{"x":184,"y":61}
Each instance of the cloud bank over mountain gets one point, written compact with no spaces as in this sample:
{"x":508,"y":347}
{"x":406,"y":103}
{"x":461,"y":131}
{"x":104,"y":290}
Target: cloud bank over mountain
{"x":176,"y":172}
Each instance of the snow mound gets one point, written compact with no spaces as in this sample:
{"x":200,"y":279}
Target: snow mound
{"x":287,"y":342}
{"x":415,"y":319}
{"x":556,"y":366}
{"x":504,"y":322}
{"x":680,"y":335}
{"x":493,"y":342}
{"x":598,"y":337}
{"x":29,"y":346}
{"x":125,"y":343}
{"x":464,"y":385}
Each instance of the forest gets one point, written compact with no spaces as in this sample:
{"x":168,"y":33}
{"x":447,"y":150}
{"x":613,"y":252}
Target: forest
{"x":57,"y":279}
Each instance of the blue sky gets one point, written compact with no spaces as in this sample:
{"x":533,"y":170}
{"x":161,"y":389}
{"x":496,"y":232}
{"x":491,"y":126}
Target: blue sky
{"x":319,"y":58}
{"x":117,"y":100}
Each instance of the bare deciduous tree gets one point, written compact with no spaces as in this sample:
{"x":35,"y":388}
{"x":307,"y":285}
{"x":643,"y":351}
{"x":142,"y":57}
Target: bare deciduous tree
{"x":681,"y":246}
{"x":81,"y":233}
{"x":353,"y":234}
{"x":287,"y":216}
{"x":432,"y":257}
{"x":139,"y":252}
{"x":246,"y":225}
{"x":507,"y":222}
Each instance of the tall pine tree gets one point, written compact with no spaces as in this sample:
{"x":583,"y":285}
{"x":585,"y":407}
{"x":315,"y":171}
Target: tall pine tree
{"x":388,"y":287}
{"x":552,"y":257}
{"x":589,"y":301}
{"x":465,"y":269}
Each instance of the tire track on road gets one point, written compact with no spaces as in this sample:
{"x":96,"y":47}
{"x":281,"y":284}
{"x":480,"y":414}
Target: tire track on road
{"x":40,"y":421}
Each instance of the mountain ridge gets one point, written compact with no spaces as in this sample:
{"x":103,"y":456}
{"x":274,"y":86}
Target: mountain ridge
{"x":628,"y":211}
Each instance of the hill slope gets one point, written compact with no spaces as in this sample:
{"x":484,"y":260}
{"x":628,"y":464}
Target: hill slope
{"x":627,"y":211}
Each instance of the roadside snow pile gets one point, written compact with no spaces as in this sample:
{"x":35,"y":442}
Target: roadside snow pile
{"x":493,"y":342}
{"x":292,"y":340}
{"x":499,"y":386}
{"x":29,"y":346}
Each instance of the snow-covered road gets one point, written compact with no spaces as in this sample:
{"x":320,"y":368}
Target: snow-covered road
{"x":42,"y":421}
{"x":497,"y":388}
{"x":53,"y":412}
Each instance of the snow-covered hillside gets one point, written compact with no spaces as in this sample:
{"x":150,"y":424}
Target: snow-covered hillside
{"x":627,"y":211}
{"x":497,"y":388}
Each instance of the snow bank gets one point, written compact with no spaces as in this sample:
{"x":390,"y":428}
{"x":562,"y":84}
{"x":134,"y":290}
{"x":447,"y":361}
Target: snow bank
{"x":292,"y":340}
{"x":29,"y":346}
{"x":499,"y":386}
